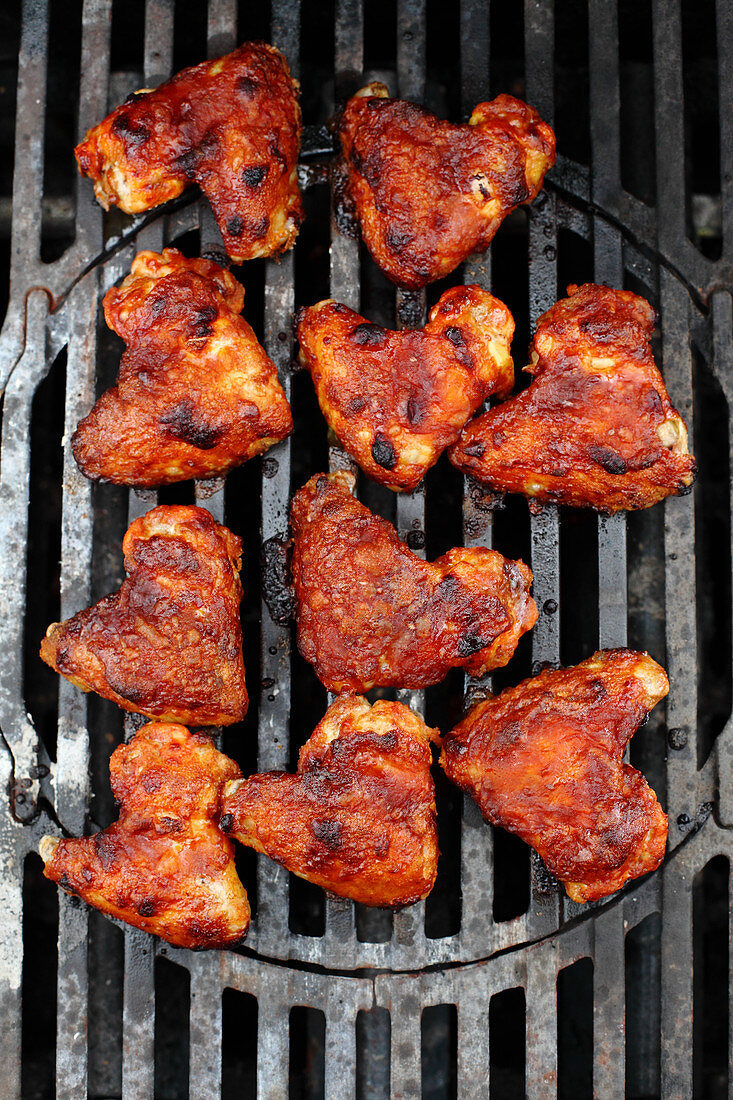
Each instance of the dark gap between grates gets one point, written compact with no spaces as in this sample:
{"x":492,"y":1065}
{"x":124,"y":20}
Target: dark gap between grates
{"x":44,"y":548}
{"x":511,"y":876}
{"x":307,"y":1039}
{"x":317,"y":45}
{"x":307,"y":908}
{"x":506,"y":41}
{"x":106,"y":954}
{"x":443,"y":45}
{"x":713,"y":562}
{"x":438,"y":1052}
{"x":380,"y":34}
{"x":710,"y":901}
{"x":575,"y":1031}
{"x":636,"y":116}
{"x":701,"y":115}
{"x":506,"y":1043}
{"x":571,"y":122}
{"x":128,"y":18}
{"x":253,"y":20}
{"x":578,"y":585}
{"x":373,"y":1033}
{"x":643,"y":982}
{"x":574,"y":260}
{"x":62,"y":96}
{"x":189,"y":34}
{"x":40,"y":922}
{"x":172,"y":999}
{"x":239,"y":1024}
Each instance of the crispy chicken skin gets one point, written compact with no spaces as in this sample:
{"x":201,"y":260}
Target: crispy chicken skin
{"x":595,"y":427}
{"x":371,"y":613}
{"x":544,"y":760}
{"x":168,"y":644}
{"x":196,"y":394}
{"x":232,"y":126}
{"x":428,"y":193}
{"x":396,"y":400}
{"x":359,"y":817}
{"x":164,"y":865}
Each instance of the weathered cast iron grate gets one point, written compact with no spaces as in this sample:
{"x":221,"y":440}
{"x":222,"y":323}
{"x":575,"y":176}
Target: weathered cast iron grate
{"x":497,"y":984}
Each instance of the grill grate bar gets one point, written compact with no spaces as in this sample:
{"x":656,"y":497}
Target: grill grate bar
{"x":138,"y":1010}
{"x":72,"y":751}
{"x":270,"y":928}
{"x":158,"y":58}
{"x":608,"y":264}
{"x":478,"y":932}
{"x":340,"y":1052}
{"x":273,"y":1033}
{"x":410,"y":307}
{"x":29,"y":152}
{"x":138,"y":1016}
{"x":205,"y":1027}
{"x":679,"y":545}
{"x":541,"y":1026}
{"x":608,"y":1006}
{"x":608,"y":953}
{"x":405,"y":1011}
{"x":544,"y":908}
{"x":345,"y":286}
{"x":221,"y":27}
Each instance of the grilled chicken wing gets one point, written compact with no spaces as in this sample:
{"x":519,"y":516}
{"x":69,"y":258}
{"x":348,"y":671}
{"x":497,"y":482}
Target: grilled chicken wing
{"x":544,"y":760}
{"x":196,"y":394}
{"x":371,"y":613}
{"x":359,"y":816}
{"x":429,"y":193}
{"x":164,"y":865}
{"x":232,"y":126}
{"x":396,"y":400}
{"x":169,"y":643}
{"x":595,"y":427}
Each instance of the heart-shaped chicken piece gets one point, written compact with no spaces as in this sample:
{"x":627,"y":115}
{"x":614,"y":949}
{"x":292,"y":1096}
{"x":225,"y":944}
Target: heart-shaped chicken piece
{"x":428,"y":193}
{"x":371,"y":613}
{"x":196,"y":394}
{"x":595,"y":427}
{"x":396,"y":400}
{"x":231,"y":125}
{"x":359,"y":817}
{"x":164,"y":865}
{"x":545,"y":760}
{"x":169,"y":643}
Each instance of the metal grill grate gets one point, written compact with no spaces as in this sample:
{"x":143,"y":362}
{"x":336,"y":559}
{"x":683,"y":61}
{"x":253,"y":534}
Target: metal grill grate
{"x":634,"y":968}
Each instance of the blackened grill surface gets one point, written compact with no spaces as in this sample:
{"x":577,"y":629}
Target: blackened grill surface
{"x":497,"y":984}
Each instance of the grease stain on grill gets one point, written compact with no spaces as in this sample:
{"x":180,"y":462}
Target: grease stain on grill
{"x":677,"y":737}
{"x":277,"y":590}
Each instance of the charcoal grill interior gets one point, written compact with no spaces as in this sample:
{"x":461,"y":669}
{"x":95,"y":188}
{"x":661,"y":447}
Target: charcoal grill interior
{"x":497,"y":985}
